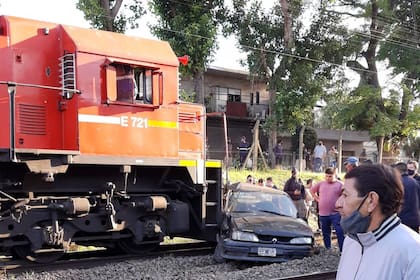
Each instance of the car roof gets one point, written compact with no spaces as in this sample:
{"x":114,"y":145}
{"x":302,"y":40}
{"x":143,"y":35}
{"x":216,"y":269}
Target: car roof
{"x":247,"y":187}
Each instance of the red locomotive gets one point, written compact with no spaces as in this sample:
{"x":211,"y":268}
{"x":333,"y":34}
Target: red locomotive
{"x":95,"y":146}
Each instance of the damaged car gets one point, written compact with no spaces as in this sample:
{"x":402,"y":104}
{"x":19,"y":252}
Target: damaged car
{"x":260,"y":224}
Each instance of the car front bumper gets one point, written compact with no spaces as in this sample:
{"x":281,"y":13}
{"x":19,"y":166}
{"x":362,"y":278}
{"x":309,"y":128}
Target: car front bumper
{"x":263,"y":252}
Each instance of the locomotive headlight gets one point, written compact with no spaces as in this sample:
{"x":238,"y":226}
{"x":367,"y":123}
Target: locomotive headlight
{"x":301,"y":240}
{"x":244,"y":236}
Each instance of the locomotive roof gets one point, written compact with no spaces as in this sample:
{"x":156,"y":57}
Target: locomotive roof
{"x":111,"y":44}
{"x":122,"y":46}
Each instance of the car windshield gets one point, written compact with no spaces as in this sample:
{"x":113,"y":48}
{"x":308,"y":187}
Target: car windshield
{"x":252,"y":201}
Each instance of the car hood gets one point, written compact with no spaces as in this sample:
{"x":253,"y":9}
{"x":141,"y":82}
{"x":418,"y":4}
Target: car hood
{"x":270,"y":224}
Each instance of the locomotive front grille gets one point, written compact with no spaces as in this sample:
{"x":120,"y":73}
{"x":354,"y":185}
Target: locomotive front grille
{"x":32,"y":119}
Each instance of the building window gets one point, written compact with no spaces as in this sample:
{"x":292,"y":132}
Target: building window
{"x":234,"y":95}
{"x":227,"y":94}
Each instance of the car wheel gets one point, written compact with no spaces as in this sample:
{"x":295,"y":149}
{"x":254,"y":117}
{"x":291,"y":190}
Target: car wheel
{"x":217,"y":256}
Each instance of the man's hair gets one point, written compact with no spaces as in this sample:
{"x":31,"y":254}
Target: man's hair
{"x":330,"y":171}
{"x":269,"y":179}
{"x":401,"y":167}
{"x":382,"y":179}
{"x":310,"y":180}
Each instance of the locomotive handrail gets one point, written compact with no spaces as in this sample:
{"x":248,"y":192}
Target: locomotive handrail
{"x":39,"y":86}
{"x":223,"y":115}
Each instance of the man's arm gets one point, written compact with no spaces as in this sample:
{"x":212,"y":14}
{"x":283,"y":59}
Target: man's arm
{"x":314,"y":191}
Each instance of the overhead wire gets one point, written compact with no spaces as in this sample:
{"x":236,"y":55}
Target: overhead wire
{"x":393,"y":41}
{"x":292,"y":55}
{"x":384,"y":18}
{"x":302,"y":57}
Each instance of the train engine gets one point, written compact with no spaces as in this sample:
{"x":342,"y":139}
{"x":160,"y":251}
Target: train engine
{"x":95,"y":146}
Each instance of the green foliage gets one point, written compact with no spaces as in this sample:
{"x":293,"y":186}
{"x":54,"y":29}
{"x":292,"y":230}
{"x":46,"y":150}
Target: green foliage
{"x":109,"y":17}
{"x":298,"y":82}
{"x":279,"y":176}
{"x":412,"y":148}
{"x":190,"y":27}
{"x":310,"y":138}
{"x":186,"y":96}
{"x":367,"y":108}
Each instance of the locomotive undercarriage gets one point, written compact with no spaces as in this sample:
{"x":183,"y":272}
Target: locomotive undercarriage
{"x":41,"y":214}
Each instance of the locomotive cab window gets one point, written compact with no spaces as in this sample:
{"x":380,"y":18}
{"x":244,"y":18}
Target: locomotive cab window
{"x":134,"y":84}
{"x":143,"y":90}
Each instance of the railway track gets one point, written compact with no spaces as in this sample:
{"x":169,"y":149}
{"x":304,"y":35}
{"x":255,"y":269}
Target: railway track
{"x":329,"y":275}
{"x":100,"y":259}
{"x":90,"y":259}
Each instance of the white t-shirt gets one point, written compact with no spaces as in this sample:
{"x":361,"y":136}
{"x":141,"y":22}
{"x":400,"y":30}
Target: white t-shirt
{"x":320,"y":151}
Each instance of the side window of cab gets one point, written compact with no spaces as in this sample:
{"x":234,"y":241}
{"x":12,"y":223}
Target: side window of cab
{"x":133,"y":84}
{"x":144,"y":87}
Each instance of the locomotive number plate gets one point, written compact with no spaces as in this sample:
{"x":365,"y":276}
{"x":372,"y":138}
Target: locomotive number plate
{"x":266,"y":252}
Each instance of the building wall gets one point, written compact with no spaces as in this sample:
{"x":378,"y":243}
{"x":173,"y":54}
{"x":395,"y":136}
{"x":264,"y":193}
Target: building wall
{"x":218,"y":79}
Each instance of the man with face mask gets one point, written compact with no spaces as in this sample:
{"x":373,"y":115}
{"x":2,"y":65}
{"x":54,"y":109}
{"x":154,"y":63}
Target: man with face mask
{"x":377,"y":245}
{"x":410,"y":211}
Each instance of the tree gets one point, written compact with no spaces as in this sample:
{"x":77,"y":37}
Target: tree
{"x":412,"y":148}
{"x":190,"y":26}
{"x":106,"y":14}
{"x":310,"y":138}
{"x":401,"y":50}
{"x":386,"y":116}
{"x":290,"y":56}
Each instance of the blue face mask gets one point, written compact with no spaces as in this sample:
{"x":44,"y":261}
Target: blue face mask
{"x":356,"y":223}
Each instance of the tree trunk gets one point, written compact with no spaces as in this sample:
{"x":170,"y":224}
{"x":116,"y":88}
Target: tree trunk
{"x":340,"y":151}
{"x":376,"y":28}
{"x":199,"y":87}
{"x":256,"y":145}
{"x":288,"y":40}
{"x":380,"y":143}
{"x":301,"y":133}
{"x":272,"y":137}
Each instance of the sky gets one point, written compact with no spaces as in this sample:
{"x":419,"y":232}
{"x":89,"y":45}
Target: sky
{"x":65,"y":12}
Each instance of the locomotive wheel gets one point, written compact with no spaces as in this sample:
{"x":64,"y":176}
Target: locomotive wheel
{"x":130,"y":247}
{"x":25,"y":252}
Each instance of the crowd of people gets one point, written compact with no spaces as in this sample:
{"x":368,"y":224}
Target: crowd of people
{"x":316,"y":161}
{"x":374,"y":211}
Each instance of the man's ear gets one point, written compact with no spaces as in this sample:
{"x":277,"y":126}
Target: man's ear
{"x":373,"y":201}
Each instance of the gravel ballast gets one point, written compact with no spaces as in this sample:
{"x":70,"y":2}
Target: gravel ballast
{"x":196,"y":267}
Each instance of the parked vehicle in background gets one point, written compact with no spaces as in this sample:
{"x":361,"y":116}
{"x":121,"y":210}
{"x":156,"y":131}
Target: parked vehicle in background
{"x":261,"y":224}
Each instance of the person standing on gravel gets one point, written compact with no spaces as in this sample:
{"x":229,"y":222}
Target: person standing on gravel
{"x":326,"y":194}
{"x":295,"y":189}
{"x":377,"y":244}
